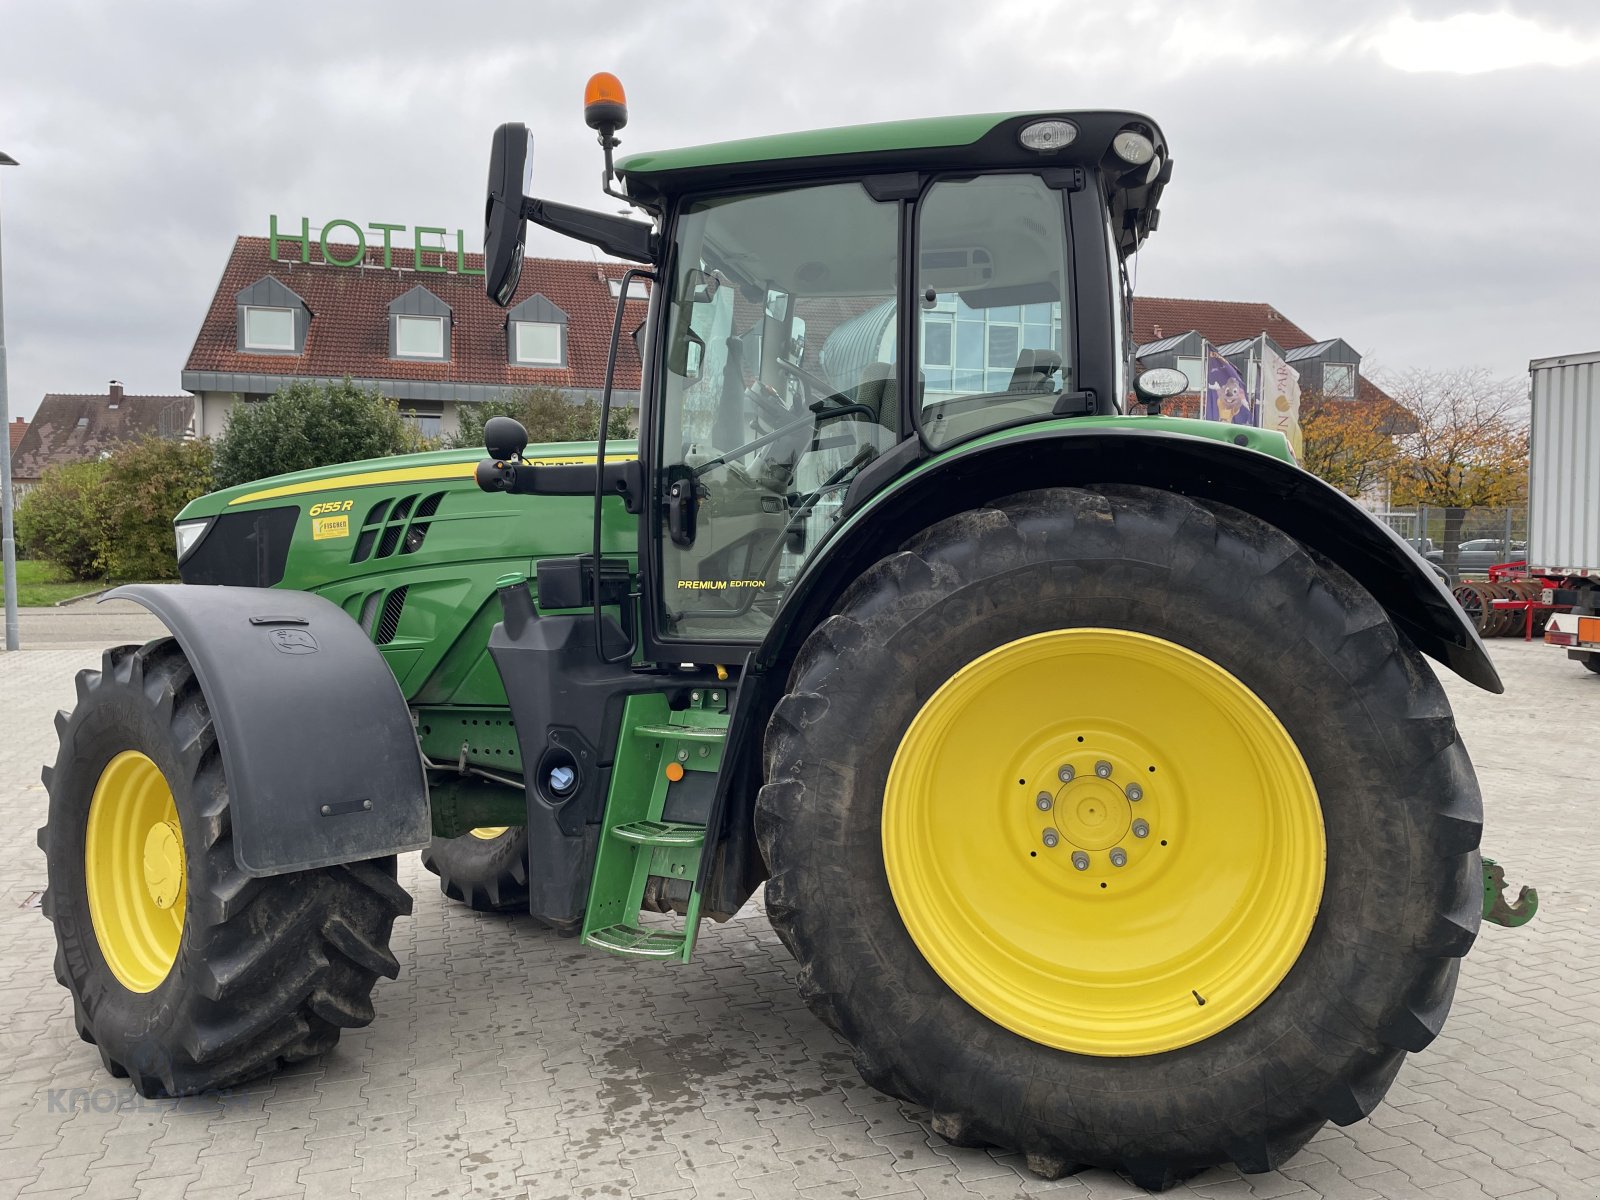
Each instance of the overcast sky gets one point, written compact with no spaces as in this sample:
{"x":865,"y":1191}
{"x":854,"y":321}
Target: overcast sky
{"x":1419,"y":179}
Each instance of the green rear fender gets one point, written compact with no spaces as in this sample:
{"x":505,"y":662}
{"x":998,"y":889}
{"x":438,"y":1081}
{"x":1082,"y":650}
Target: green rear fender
{"x":1148,"y":452}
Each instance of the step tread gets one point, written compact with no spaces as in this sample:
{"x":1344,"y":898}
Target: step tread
{"x":638,"y":943}
{"x":689,"y":733}
{"x":661,"y":833}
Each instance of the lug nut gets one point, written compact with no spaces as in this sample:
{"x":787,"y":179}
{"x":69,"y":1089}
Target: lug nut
{"x":1066,"y":773}
{"x":1080,"y":860}
{"x":1103,"y":769}
{"x":1051,"y":837}
{"x":1134,"y":792}
{"x":1141,"y":829}
{"x":1119,"y":857}
{"x":1044,"y":801}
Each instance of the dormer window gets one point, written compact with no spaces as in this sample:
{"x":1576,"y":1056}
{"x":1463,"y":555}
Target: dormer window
{"x":268,"y":328}
{"x":536,"y":342}
{"x":1339,"y":380}
{"x":271,"y":319}
{"x":419,"y":326}
{"x":638,"y":289}
{"x":419,"y":337}
{"x":536,"y":334}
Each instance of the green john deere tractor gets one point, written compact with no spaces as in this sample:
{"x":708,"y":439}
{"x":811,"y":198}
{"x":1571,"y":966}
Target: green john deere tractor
{"x":1090,"y":761}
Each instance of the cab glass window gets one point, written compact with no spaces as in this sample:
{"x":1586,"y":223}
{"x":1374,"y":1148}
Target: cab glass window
{"x":780,"y":388}
{"x":994,"y":344}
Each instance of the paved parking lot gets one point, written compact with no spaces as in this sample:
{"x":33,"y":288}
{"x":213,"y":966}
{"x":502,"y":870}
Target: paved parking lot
{"x":508,"y":1062}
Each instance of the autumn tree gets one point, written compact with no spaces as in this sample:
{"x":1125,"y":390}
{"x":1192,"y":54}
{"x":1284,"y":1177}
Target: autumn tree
{"x":1468,"y":447}
{"x":1349,"y":443}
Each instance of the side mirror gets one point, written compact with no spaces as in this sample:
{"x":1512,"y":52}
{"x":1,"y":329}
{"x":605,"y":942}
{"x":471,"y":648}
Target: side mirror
{"x":1156,"y":385}
{"x":687,"y":356}
{"x":504,"y":230}
{"x":504,"y":438}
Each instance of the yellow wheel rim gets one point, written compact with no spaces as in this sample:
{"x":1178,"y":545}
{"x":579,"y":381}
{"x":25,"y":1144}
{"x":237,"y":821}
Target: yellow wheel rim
{"x":136,"y":871}
{"x":1103,"y":842}
{"x":489,"y":832}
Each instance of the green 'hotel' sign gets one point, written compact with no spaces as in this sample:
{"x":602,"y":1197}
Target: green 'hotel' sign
{"x":358,"y":252}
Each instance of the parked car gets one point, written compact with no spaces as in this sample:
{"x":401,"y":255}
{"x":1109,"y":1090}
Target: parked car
{"x":1479,"y":554}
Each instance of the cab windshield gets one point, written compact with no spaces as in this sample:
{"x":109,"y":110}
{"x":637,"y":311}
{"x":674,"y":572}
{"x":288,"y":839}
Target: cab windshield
{"x":781,"y":367}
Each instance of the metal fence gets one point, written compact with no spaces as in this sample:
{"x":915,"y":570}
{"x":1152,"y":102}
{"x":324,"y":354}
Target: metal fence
{"x":1488,"y":535}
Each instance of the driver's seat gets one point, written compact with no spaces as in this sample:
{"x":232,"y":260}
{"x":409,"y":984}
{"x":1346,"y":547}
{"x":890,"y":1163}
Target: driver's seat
{"x":876,"y":388}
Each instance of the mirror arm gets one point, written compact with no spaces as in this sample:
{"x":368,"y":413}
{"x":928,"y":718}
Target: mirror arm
{"x":634,"y":240}
{"x":624,"y":479}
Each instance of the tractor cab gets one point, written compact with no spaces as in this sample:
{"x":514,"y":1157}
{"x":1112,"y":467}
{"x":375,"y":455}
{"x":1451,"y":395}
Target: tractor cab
{"x":795,"y":277}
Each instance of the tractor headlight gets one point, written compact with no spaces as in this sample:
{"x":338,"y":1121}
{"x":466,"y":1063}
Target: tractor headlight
{"x":1133,"y":147}
{"x":189,"y":534}
{"x":1048,"y":136}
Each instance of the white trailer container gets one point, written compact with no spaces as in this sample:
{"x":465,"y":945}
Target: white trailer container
{"x":1564,"y":498}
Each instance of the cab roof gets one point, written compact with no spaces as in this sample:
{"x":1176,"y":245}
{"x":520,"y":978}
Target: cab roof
{"x":983,"y":141}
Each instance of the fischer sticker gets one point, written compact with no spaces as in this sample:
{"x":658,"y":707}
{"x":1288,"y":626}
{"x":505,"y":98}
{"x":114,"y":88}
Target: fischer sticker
{"x":323,"y":528}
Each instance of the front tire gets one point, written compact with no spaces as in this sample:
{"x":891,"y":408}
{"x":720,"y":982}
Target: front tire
{"x":1080,"y":1072}
{"x":485,"y":869}
{"x":188,"y":974}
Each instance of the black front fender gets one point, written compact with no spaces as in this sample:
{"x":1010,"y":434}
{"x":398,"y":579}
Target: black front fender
{"x":316,"y":740}
{"x":1280,"y":493}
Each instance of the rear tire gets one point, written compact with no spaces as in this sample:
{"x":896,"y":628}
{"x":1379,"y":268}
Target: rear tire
{"x":1401,"y":898}
{"x":1592,"y":662}
{"x":487,"y":874}
{"x":260,"y":971}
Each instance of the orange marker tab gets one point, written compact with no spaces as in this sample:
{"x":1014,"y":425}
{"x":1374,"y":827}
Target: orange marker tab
{"x":674,"y":771}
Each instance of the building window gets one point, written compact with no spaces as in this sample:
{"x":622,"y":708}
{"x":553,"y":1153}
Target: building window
{"x":638,"y":289}
{"x":937,"y":337}
{"x":1194,"y":370}
{"x":268,"y":328}
{"x":429,"y":425}
{"x":1339,"y":380}
{"x":537,"y":342}
{"x":419,"y":337}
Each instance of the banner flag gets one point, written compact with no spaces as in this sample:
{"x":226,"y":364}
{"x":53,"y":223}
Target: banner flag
{"x":1281,"y":391}
{"x":1226,"y":398}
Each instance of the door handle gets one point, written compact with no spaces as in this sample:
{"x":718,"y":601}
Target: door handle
{"x":682,"y":504}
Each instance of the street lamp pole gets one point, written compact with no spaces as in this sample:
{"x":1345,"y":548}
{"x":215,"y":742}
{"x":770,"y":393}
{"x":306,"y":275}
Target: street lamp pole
{"x":8,"y":544}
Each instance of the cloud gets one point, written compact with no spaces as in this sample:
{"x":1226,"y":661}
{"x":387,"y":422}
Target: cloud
{"x":1471,"y":43}
{"x":1324,"y":162}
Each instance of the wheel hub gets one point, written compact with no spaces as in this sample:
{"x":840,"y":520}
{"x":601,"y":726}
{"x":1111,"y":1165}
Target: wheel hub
{"x":1103,"y":819}
{"x":163,"y":864}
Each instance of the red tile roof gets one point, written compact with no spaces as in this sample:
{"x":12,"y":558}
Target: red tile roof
{"x":349,"y":332}
{"x":18,"y":428}
{"x":1219,"y":321}
{"x":75,"y":428}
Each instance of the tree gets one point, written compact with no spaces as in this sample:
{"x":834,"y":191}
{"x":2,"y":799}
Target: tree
{"x":1348,"y":443}
{"x":310,"y":425}
{"x":112,"y":517}
{"x":1468,"y":447}
{"x":548,"y":414}
{"x":60,"y":519}
{"x":146,"y":484}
